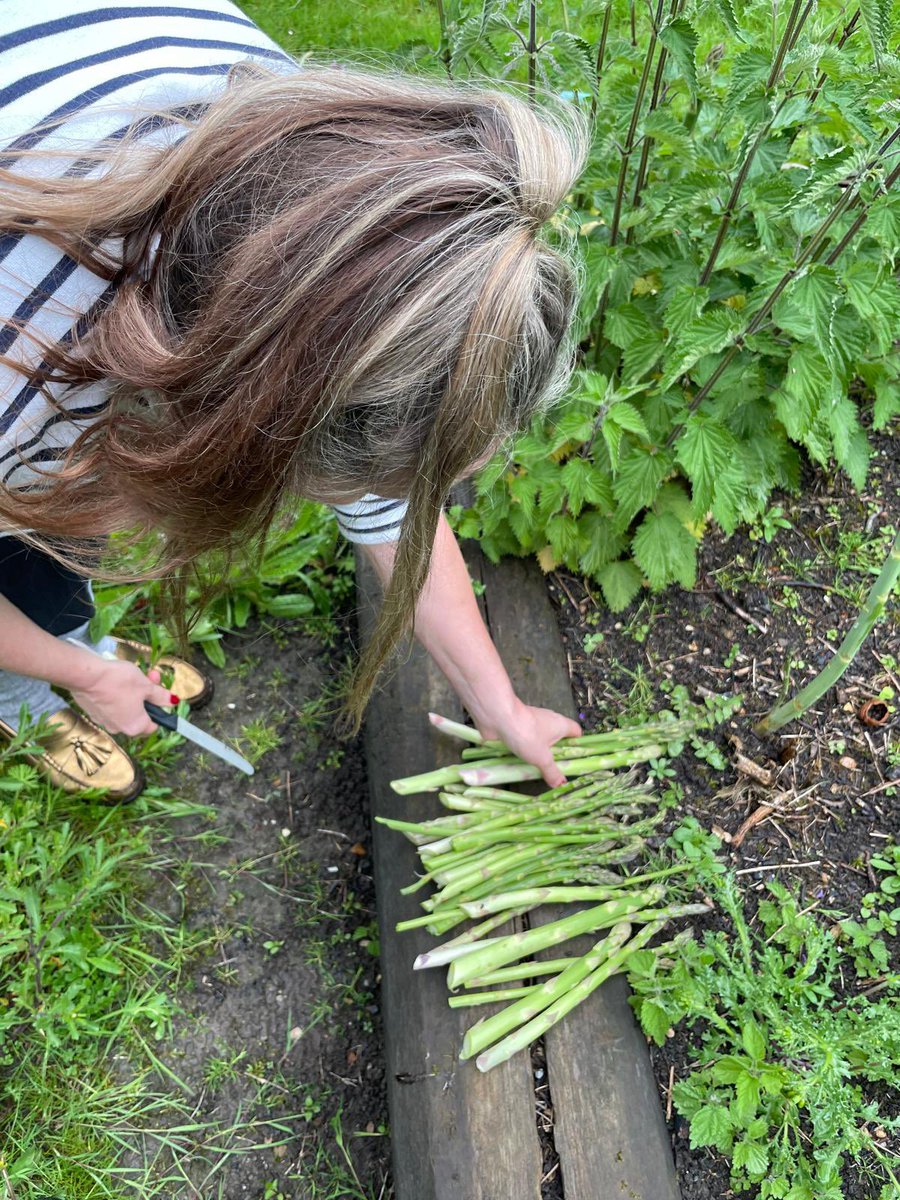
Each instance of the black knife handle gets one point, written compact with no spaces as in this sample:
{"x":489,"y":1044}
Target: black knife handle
{"x":167,"y":719}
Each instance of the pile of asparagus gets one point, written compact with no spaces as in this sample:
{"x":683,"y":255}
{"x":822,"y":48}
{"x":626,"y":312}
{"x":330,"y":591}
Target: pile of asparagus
{"x":498,"y":855}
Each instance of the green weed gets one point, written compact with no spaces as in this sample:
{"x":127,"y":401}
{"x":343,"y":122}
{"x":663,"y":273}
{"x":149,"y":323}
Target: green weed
{"x":787,"y":1059}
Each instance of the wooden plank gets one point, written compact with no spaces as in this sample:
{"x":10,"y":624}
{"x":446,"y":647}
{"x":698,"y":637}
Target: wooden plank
{"x":609,"y":1128}
{"x":456,"y":1134}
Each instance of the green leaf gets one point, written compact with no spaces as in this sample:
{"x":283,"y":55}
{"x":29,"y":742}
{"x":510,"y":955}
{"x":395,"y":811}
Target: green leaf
{"x":601,"y":543}
{"x":655,"y":1021}
{"x":876,"y":15}
{"x":808,"y":308}
{"x":753,"y":1040}
{"x":638,"y":481}
{"x":746,"y":1099}
{"x":851,"y":446}
{"x":711,"y":1125}
{"x":665,"y":551}
{"x":809,"y":385}
{"x":707,"y":334}
{"x":887,"y":402}
{"x":685,"y":305}
{"x":621,"y":582}
{"x":680,"y":39}
{"x":627,"y":417}
{"x":705,"y":450}
{"x":726,"y":10}
{"x":753,"y":1157}
{"x":289,"y":604}
{"x":575,"y":476}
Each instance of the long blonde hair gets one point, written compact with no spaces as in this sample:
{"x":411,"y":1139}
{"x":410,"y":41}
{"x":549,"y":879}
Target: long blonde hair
{"x":349,"y":295}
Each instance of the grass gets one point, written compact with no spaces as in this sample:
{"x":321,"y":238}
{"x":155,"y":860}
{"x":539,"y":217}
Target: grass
{"x":376,"y":29}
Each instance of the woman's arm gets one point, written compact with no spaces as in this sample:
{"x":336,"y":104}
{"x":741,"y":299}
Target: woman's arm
{"x":449,"y":626}
{"x":111,"y":693}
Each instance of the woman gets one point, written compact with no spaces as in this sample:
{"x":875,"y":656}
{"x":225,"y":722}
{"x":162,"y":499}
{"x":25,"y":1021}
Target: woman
{"x":228,"y":282}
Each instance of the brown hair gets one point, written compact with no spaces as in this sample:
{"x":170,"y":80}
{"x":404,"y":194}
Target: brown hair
{"x":349,"y":295}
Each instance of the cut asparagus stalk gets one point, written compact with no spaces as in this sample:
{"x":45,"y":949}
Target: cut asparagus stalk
{"x":554,"y":1013}
{"x":469,"y":999}
{"x":535,"y":896}
{"x":524,"y":970}
{"x":535,"y":1000}
{"x":501,"y":951}
{"x":465,"y":732}
{"x":499,"y":772}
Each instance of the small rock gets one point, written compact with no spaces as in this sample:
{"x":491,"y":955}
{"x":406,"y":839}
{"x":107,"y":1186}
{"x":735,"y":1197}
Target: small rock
{"x":848,"y":763}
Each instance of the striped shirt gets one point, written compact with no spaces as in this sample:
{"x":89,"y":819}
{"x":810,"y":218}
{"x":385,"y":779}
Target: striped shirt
{"x":93,"y":69}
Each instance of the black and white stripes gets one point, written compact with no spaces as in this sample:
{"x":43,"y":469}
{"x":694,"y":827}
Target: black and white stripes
{"x":91,"y":71}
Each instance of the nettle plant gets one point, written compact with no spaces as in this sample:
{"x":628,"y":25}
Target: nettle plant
{"x":740,"y":237}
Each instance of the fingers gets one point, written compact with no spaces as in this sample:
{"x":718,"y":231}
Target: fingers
{"x":553,"y":776}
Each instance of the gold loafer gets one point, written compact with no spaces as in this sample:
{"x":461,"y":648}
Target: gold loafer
{"x":78,"y":755}
{"x":181,"y":677}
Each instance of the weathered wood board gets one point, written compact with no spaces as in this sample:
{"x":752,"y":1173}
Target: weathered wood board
{"x":609,"y":1127}
{"x":457,"y":1134}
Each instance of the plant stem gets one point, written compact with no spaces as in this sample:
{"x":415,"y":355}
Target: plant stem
{"x":601,"y":54}
{"x":845,"y":653}
{"x":532,"y":50}
{"x":471,"y":999}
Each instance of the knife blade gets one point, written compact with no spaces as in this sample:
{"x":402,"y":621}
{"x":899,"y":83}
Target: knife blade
{"x":171,"y":720}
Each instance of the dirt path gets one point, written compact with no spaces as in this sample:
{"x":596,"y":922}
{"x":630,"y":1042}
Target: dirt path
{"x":281,"y":1032}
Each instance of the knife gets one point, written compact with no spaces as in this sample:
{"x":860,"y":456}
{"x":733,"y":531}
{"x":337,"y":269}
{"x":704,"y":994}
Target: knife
{"x":171,"y":720}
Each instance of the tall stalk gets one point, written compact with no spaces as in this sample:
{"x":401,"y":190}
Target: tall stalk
{"x":647,"y":142}
{"x":791,"y":31}
{"x":532,"y":50}
{"x":626,"y":153}
{"x":847,"y":199}
{"x":871,"y":613}
{"x":444,"y":51}
{"x":601,"y":55}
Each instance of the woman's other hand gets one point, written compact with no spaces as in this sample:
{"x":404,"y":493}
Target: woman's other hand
{"x":531,"y":733}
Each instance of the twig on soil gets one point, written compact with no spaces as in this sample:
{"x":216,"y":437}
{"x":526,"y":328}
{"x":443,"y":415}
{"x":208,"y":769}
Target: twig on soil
{"x":725,"y":599}
{"x":789,"y":866}
{"x":746,"y":766}
{"x":669,"y":1093}
{"x":760,"y":814}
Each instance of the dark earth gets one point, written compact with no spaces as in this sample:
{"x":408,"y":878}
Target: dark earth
{"x":835,"y":806}
{"x":281,"y":1030}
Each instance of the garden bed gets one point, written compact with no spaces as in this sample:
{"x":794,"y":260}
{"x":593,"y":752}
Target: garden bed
{"x":757,"y":604}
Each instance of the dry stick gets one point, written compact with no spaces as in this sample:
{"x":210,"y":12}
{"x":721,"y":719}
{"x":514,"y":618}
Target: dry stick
{"x":845,"y":653}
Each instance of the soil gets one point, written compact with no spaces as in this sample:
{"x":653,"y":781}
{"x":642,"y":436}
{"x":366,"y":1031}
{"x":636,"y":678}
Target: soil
{"x":755,"y":605}
{"x":277,"y":886}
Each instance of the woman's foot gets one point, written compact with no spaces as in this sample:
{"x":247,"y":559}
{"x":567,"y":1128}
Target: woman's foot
{"x":78,"y":755}
{"x":181,"y":677}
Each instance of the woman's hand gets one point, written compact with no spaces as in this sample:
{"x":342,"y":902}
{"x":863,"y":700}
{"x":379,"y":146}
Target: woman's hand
{"x":113,"y":696}
{"x":530,"y":733}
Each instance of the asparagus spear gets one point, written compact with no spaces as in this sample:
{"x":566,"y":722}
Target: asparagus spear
{"x":553,"y":1013}
{"x":520,"y":945}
